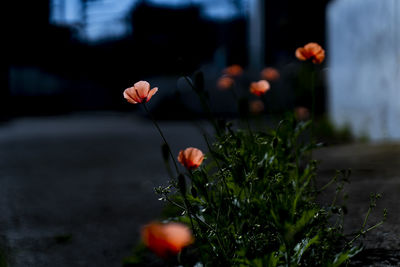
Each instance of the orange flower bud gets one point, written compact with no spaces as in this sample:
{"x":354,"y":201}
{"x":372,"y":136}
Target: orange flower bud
{"x":140,"y":92}
{"x":256,"y":106}
{"x":270,"y":74}
{"x":166,"y":239}
{"x":259,"y":88}
{"x":301,"y":113}
{"x":191,"y":158}
{"x":311,"y":51}
{"x":225,"y":82}
{"x":233,"y":70}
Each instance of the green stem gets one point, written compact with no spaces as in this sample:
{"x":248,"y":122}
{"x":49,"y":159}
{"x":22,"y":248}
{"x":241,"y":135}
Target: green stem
{"x":366,"y":231}
{"x":287,"y":254}
{"x":373,"y":227}
{"x":163,"y":137}
{"x":296,"y":151}
{"x":313,"y":102}
{"x":366,"y":218}
{"x":249,"y":128}
{"x":206,"y":107}
{"x":268,"y":110}
{"x":338,"y":191}
{"x":174,"y":203}
{"x":234,"y":94}
{"x":187,"y":205}
{"x":328,"y":184}
{"x":219,"y":168}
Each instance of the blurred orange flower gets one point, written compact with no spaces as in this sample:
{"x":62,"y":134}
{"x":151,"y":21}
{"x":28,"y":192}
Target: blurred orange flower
{"x":259,"y":88}
{"x":166,"y":239}
{"x":233,"y":70}
{"x":270,"y":74}
{"x":256,"y":106}
{"x":311,"y":51}
{"x":301,"y":113}
{"x":225,"y":82}
{"x":191,"y":158}
{"x":140,"y":92}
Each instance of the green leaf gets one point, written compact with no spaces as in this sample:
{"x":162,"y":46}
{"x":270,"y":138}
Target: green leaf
{"x":345,"y":255}
{"x":302,"y":247}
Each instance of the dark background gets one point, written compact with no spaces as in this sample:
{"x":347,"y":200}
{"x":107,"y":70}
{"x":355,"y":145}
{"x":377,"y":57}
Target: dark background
{"x":48,"y":69}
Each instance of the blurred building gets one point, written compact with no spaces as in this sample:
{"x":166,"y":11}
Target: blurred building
{"x":171,"y":40}
{"x":54,"y":67}
{"x":58,"y":61}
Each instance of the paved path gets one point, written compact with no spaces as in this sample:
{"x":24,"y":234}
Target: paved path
{"x":375,"y":169}
{"x":90,"y":177}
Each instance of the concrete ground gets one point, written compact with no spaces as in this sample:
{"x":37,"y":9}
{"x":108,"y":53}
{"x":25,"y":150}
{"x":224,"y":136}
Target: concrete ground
{"x":375,"y":168}
{"x":75,"y":189}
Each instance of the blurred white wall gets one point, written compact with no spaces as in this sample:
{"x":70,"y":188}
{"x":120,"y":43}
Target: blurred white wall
{"x":364,"y":61}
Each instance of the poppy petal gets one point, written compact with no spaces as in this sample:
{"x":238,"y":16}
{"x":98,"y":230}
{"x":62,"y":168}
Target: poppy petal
{"x":301,"y":53}
{"x":151,"y":93}
{"x":142,"y":88}
{"x":129,"y":97}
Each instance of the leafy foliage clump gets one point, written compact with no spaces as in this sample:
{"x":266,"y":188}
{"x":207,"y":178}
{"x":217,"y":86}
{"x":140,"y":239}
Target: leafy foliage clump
{"x":254,"y":203}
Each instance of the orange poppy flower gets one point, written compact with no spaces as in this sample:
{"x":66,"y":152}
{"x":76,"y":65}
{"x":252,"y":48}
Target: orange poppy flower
{"x":233,"y":70}
{"x":140,"y":92}
{"x":311,"y":51}
{"x":225,"y":82}
{"x":270,"y":74}
{"x":256,"y":106}
{"x":166,"y":239}
{"x":191,"y":158}
{"x":301,"y":113}
{"x":259,"y":88}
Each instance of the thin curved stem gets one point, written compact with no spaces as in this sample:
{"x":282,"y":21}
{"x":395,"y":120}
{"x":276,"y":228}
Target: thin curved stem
{"x":163,"y":137}
{"x":205,"y":105}
{"x":187,"y":204}
{"x":312,"y":108}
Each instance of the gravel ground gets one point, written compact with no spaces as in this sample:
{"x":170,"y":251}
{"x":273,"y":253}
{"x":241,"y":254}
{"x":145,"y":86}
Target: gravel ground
{"x":75,"y":189}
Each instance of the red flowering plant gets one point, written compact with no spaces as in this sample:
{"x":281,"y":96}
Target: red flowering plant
{"x":311,"y":51}
{"x":139,"y":93}
{"x":315,"y":54}
{"x":239,"y":82}
{"x":191,"y":158}
{"x":166,"y":239}
{"x":259,"y":88}
{"x":251,"y":199}
{"x":270,"y":74}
